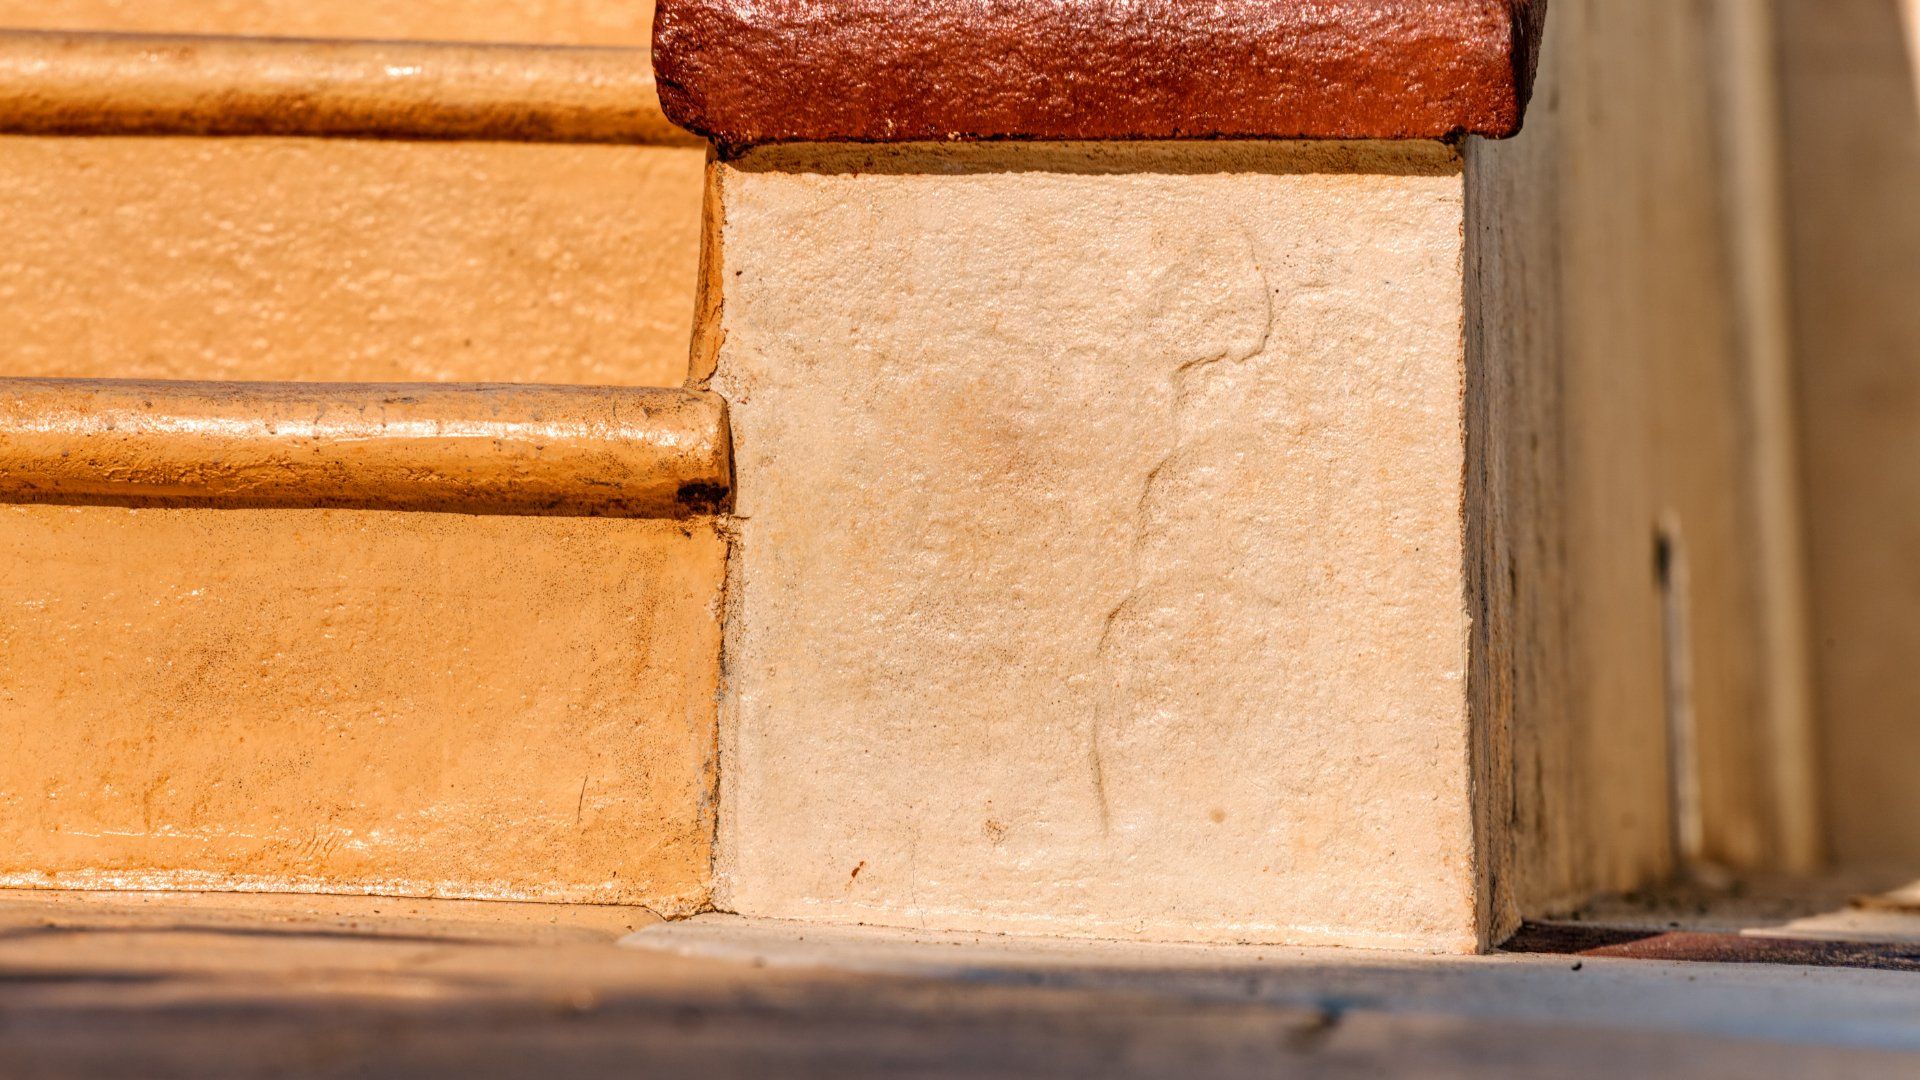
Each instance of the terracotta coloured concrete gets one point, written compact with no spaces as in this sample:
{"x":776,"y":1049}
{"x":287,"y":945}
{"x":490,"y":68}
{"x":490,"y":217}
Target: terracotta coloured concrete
{"x":1101,"y":555}
{"x":905,"y":70}
{"x":417,"y":704}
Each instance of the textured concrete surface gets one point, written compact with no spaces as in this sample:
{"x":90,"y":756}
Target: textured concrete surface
{"x":1101,"y":553}
{"x":1769,"y":1002}
{"x":173,"y":988}
{"x":419,"y":704}
{"x":333,"y":259}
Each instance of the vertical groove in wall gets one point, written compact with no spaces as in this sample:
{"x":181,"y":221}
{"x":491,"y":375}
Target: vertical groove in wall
{"x":1671,"y":570}
{"x":709,"y":332}
{"x":709,"y":329}
{"x":1514,"y":686}
{"x":1487,"y":562}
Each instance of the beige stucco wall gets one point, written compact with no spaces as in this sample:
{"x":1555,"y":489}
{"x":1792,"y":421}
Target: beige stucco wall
{"x":1100,"y":542}
{"x":1618,"y":346}
{"x":1853,"y":122}
{"x":415,"y":704}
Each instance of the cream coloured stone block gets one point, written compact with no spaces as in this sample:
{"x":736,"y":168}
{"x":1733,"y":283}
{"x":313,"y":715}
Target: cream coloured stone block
{"x":1101,"y":554}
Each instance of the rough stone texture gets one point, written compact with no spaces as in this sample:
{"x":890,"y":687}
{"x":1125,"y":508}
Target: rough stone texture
{"x":309,"y":259}
{"x":905,"y":70}
{"x":1101,"y":545}
{"x":413,"y":704}
{"x":1853,"y":118}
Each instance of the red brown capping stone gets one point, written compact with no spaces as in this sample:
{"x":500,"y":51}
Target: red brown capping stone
{"x":743,"y":72}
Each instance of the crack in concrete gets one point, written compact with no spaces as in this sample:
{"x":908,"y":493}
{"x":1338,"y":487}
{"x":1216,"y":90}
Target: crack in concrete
{"x":1180,"y":383}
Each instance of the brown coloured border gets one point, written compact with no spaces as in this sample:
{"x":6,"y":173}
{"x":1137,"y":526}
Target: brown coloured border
{"x":80,"y":83}
{"x":914,"y":70}
{"x":472,"y":448}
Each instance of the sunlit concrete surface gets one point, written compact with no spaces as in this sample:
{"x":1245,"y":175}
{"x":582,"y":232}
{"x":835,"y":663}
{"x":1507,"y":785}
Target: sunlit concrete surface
{"x":314,"y":986}
{"x":1101,"y":541}
{"x":358,"y":701}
